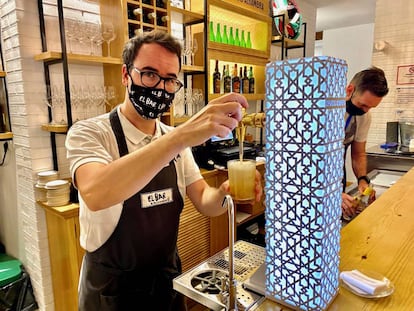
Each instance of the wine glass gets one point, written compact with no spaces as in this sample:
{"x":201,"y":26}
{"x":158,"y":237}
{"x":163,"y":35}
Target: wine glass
{"x":50,"y":103}
{"x":108,"y":35}
{"x":194,"y":49}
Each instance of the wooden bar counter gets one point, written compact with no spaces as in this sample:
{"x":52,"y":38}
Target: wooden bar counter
{"x":381,"y":239}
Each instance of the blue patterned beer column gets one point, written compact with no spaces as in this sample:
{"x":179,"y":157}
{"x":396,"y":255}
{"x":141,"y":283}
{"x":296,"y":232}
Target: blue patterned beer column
{"x":305,"y":110}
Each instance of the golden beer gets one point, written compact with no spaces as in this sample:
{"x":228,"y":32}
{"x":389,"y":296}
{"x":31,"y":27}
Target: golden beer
{"x":242,"y":176}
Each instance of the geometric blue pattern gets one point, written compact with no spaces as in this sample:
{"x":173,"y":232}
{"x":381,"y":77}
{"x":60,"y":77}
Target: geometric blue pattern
{"x":305,"y":110}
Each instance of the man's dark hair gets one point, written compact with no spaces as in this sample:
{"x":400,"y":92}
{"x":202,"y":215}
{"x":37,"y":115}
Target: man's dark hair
{"x":162,"y":38}
{"x":372,"y":80}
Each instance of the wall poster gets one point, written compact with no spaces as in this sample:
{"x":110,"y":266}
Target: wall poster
{"x":405,"y":74}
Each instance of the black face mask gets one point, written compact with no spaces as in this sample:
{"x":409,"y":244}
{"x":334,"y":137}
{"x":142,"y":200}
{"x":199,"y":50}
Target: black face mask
{"x":353,"y":110}
{"x":150,"y":103}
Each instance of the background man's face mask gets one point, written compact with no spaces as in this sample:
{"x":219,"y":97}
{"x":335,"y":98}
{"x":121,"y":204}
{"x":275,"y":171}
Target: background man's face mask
{"x":150,"y":103}
{"x":353,"y":110}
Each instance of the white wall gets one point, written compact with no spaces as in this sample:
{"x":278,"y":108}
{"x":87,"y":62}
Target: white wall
{"x":394,"y":24}
{"x":354,"y":45}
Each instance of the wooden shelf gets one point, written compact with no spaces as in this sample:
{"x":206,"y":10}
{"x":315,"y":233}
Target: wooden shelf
{"x":78,"y":58}
{"x":187,"y":17}
{"x":237,"y":50}
{"x":192,"y":69}
{"x":289,"y":43}
{"x":55,"y":128}
{"x":254,"y":96}
{"x":6,"y":136}
{"x":2,"y":74}
{"x":180,"y":120}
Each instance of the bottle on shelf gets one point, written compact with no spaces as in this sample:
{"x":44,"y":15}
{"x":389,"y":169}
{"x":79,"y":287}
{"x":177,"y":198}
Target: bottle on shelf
{"x":235,"y":80}
{"x":161,"y":4}
{"x":224,"y":37}
{"x":216,"y":78}
{"x":231,"y":37}
{"x":150,"y":17}
{"x":245,"y":81}
{"x":243,"y":40}
{"x":222,"y":80}
{"x":218,"y":34}
{"x":162,"y":20}
{"x":251,"y":80}
{"x":249,"y":41}
{"x":227,"y":81}
{"x":211,"y":32}
{"x":237,"y":38}
{"x":137,"y":13}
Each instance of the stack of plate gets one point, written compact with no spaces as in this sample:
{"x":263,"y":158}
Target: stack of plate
{"x":58,"y":192}
{"x":43,"y":178}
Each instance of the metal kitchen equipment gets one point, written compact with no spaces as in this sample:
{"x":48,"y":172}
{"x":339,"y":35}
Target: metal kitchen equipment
{"x":217,"y":282}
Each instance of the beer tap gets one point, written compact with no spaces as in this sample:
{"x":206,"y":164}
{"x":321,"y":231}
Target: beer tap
{"x":232,"y":282}
{"x":256,"y":119}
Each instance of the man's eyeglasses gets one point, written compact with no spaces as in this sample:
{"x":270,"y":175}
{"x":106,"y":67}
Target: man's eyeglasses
{"x":152,"y":79}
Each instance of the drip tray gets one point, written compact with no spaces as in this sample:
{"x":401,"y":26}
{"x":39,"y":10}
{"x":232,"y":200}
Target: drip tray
{"x":204,"y":283}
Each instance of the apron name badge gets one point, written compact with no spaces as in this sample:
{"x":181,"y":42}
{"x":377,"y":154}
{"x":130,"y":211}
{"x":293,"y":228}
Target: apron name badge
{"x":155,"y":198}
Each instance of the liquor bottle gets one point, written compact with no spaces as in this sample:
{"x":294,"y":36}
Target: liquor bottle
{"x":224,"y":37}
{"x":249,"y":41}
{"x":218,"y":34}
{"x":245,"y":81}
{"x":216,"y":78}
{"x":251,"y":80}
{"x":231,"y":37}
{"x":211,"y":31}
{"x":243,"y":40}
{"x":227,"y":81}
{"x":237,"y":38}
{"x":235,"y":80}
{"x":222,"y":80}
{"x":137,"y":13}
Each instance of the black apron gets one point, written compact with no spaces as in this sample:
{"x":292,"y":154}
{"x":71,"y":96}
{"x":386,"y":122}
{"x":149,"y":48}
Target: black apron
{"x":350,"y":130}
{"x":134,"y":268}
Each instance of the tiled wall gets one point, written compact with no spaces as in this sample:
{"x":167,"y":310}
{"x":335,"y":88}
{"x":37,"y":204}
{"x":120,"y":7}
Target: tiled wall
{"x":31,"y":147}
{"x":394,"y":24}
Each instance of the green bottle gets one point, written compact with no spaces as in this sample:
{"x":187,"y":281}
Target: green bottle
{"x":225,"y":38}
{"x":212,"y":37}
{"x":218,"y":34}
{"x":249,"y":42}
{"x":231,"y":37}
{"x":237,"y":38}
{"x":243,"y":41}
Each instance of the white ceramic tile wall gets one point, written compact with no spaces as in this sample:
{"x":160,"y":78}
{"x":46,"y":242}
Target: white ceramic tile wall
{"x":31,"y":145}
{"x":394,"y":24}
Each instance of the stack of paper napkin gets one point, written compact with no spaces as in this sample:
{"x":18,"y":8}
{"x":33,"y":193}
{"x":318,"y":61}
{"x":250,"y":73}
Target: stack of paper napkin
{"x":362,"y":283}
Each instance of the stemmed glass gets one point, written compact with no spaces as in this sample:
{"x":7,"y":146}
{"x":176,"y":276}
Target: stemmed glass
{"x":194,"y":49}
{"x":110,"y":94}
{"x":108,"y":35}
{"x":58,"y":99}
{"x":49,"y":102}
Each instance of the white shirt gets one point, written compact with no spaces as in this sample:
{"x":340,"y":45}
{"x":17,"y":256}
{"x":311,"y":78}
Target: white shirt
{"x":93,"y":140}
{"x":363,"y":123}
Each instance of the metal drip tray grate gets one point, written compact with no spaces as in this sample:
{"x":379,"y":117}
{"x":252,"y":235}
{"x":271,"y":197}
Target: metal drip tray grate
{"x":204,"y":283}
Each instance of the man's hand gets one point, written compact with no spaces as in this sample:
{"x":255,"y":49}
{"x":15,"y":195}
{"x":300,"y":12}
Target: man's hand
{"x":218,"y":118}
{"x":349,"y":208}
